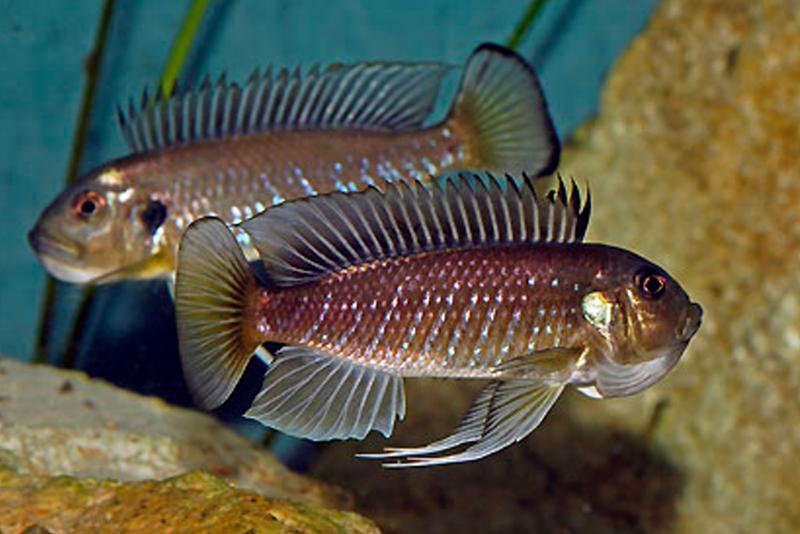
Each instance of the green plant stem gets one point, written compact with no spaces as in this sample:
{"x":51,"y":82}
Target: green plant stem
{"x":524,"y":23}
{"x":181,"y":45}
{"x":92,"y":66}
{"x":175,"y":60}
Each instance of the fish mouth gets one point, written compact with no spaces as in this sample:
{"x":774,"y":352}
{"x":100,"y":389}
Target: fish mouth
{"x":693,"y":317}
{"x":48,"y":246}
{"x":60,"y":258}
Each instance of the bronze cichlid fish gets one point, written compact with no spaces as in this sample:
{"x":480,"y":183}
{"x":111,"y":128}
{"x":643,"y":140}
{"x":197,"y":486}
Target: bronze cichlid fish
{"x":232,"y":152}
{"x":464,"y":278}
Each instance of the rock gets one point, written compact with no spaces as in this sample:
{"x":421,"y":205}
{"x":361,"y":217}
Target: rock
{"x":193,"y":502}
{"x":693,"y":162}
{"x":62,"y":435}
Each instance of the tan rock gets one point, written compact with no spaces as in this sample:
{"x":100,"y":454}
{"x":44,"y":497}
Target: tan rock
{"x":190,"y":503}
{"x":694,"y":162}
{"x":58,"y":422}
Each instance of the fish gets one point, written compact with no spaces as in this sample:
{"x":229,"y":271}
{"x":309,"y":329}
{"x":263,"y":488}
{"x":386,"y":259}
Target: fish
{"x":233,"y":151}
{"x":472,"y":277}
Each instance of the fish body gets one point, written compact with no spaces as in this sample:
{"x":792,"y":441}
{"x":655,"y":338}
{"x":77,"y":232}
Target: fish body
{"x":232,"y":152}
{"x":455,"y":313}
{"x":472,"y":277}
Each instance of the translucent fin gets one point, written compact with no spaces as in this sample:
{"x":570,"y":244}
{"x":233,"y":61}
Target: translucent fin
{"x":502,"y":414}
{"x":501,"y":102}
{"x":614,"y":380}
{"x":313,"y":395}
{"x":213,"y":289}
{"x":302,"y":240}
{"x":552,"y":365}
{"x":391,"y":96}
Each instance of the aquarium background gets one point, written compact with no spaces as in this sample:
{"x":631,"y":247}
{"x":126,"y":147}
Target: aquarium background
{"x":44,"y":47}
{"x":692,"y":160}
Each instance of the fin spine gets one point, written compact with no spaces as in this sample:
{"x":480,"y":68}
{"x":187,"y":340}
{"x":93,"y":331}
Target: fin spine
{"x":303,"y":240}
{"x":387,"y":96}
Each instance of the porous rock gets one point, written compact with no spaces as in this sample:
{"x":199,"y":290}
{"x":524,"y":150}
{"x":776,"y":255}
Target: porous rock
{"x":75,"y":449}
{"x":693,"y":162}
{"x":189,"y":503}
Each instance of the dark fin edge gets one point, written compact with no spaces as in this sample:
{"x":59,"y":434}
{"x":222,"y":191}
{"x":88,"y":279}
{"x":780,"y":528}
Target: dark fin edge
{"x":501,"y":102}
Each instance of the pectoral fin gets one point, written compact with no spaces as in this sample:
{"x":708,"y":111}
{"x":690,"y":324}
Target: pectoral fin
{"x":551,"y":365}
{"x":503,"y":413}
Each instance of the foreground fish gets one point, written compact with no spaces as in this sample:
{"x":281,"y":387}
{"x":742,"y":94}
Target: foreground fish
{"x":233,"y":152}
{"x":467,"y":278}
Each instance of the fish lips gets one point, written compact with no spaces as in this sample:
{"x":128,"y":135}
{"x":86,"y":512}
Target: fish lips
{"x":59,"y":257}
{"x":691,"y":322}
{"x":47,"y":245}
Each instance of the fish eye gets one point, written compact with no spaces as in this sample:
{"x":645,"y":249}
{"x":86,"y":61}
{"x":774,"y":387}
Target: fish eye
{"x":153,"y":215}
{"x":88,"y":203}
{"x":650,"y":283}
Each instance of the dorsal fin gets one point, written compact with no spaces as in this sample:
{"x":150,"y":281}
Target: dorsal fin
{"x":302,"y":240}
{"x":392,"y":96}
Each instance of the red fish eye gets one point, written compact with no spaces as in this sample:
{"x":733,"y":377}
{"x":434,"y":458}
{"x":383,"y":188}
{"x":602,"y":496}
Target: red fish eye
{"x":651,"y":284}
{"x":87,"y":203}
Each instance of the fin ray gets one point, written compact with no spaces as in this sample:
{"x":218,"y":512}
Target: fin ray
{"x":310,"y":382}
{"x":501,"y":101}
{"x":212,"y":288}
{"x":303,"y":240}
{"x":389,"y":96}
{"x":502,"y":414}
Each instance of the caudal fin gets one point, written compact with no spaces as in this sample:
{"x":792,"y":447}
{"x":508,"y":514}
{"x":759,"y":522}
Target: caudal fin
{"x":502,"y":107}
{"x":214,"y":289}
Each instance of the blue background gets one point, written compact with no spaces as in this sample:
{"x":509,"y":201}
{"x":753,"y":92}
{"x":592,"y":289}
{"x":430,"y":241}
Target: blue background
{"x":43,"y":45}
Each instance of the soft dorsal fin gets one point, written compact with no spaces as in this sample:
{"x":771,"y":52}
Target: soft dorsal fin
{"x":392,"y":96}
{"x":306,"y":239}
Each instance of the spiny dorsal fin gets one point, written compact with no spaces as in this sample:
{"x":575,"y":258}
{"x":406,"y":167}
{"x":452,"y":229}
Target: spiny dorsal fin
{"x":303,"y":240}
{"x":392,"y":96}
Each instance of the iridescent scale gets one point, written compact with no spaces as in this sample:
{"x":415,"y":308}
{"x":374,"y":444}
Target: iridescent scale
{"x":458,"y":313}
{"x":238,"y":178}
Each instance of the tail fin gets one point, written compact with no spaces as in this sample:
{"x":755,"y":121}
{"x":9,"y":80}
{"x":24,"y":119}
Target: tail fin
{"x":501,"y":104}
{"x":214,"y":291}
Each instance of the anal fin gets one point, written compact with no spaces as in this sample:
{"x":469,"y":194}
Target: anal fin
{"x":503,"y":413}
{"x":313,"y":395}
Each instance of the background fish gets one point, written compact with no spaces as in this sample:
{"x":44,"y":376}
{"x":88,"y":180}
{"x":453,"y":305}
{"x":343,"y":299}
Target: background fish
{"x":233,"y":151}
{"x":468,"y":278}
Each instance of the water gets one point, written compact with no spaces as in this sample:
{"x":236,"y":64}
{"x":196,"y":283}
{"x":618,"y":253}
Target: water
{"x":572,"y":46}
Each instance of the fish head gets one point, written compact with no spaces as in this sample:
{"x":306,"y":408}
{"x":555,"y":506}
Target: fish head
{"x":100,"y":226}
{"x":645,"y":321}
